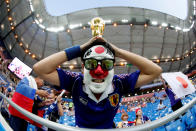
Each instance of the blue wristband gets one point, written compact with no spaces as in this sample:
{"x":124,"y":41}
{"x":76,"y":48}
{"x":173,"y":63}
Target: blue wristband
{"x":73,"y":52}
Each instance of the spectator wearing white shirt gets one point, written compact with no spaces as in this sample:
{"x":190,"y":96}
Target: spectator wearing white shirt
{"x":161,"y":105}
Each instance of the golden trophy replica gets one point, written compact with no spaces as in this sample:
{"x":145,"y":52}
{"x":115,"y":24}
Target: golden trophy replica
{"x":97,"y":26}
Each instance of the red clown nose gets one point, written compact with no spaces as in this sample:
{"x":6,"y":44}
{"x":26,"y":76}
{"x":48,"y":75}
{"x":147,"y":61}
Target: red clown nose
{"x":98,"y":73}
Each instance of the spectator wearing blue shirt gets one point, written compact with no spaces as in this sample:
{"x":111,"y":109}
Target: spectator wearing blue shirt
{"x":97,"y":92}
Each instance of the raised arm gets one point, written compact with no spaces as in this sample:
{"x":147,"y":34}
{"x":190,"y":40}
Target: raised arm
{"x":148,"y":70}
{"x":46,"y":68}
{"x":60,"y":108}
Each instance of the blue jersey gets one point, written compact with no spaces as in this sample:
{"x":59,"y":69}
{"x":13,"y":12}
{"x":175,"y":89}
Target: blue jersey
{"x":88,"y":113}
{"x":52,"y":108}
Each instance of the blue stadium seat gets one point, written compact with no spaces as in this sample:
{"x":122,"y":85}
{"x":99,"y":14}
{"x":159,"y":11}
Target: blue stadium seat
{"x":193,"y":110}
{"x":176,"y":126}
{"x":161,"y":128}
{"x":31,"y":127}
{"x":189,"y":120}
{"x":183,"y":124}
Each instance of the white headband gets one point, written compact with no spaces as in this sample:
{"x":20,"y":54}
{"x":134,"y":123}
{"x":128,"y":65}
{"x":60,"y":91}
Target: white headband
{"x":98,"y":51}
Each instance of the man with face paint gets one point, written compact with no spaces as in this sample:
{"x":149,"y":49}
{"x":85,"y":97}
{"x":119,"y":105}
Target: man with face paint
{"x":97,"y":92}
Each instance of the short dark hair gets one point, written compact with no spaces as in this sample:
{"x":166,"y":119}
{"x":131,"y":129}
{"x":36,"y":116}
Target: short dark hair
{"x":97,"y":42}
{"x":166,"y":83}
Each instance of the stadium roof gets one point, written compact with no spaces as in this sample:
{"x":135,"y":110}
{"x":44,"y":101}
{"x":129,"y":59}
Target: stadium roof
{"x":31,"y":34}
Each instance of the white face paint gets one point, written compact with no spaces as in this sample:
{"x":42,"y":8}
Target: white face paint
{"x":98,"y":86}
{"x":95,"y":87}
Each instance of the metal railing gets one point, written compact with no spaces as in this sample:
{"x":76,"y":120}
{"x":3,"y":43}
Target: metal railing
{"x":144,"y":127}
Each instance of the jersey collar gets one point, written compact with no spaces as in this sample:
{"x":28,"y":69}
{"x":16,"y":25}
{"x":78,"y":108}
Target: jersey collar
{"x":108,"y":90}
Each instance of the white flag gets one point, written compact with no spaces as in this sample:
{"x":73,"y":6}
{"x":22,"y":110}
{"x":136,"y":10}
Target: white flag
{"x":179,"y":83}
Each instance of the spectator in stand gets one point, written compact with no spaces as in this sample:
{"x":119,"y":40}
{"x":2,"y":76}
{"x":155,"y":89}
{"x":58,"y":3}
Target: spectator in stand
{"x":160,"y":95}
{"x":9,"y":91}
{"x":175,"y":102}
{"x":129,"y":108}
{"x":152,"y":99}
{"x":140,"y":118}
{"x":118,"y":111}
{"x":97,"y":92}
{"x":144,"y":104}
{"x":125,"y":123}
{"x":55,"y":110}
{"x":41,"y":104}
{"x":70,"y":105}
{"x":2,"y":88}
{"x":65,"y":106}
{"x":4,"y":104}
{"x":161,"y":105}
{"x":123,"y":110}
{"x":24,"y":95}
{"x":71,"y":111}
{"x":3,"y":91}
{"x":62,"y":108}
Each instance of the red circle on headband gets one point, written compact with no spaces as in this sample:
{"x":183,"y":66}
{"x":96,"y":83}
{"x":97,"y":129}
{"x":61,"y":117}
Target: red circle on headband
{"x":99,"y":50}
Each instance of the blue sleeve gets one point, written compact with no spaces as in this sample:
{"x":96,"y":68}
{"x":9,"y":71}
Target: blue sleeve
{"x":24,"y":89}
{"x":67,"y":79}
{"x":129,"y":81}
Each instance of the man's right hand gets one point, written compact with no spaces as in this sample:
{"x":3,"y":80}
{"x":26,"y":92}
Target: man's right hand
{"x":42,"y":93}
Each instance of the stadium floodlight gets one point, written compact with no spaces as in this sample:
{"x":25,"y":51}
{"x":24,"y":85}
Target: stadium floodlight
{"x":178,"y":28}
{"x":154,"y":22}
{"x":75,"y":26}
{"x":164,"y":24}
{"x":55,"y":29}
{"x":108,"y":21}
{"x":171,"y":26}
{"x":124,"y":20}
{"x":185,"y":30}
